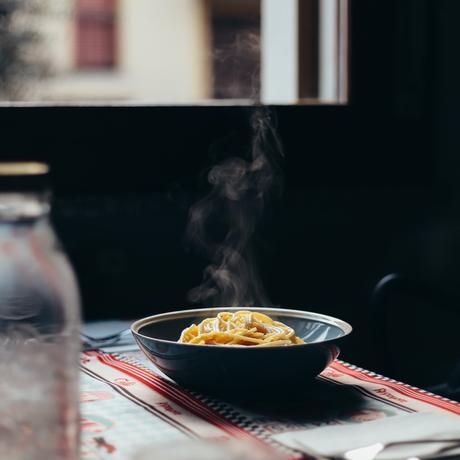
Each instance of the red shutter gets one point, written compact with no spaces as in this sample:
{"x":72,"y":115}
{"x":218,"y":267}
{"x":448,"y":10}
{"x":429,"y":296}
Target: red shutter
{"x":96,"y":43}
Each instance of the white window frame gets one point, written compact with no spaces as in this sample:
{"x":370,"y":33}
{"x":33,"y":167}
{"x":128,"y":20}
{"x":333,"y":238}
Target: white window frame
{"x":280,"y":51}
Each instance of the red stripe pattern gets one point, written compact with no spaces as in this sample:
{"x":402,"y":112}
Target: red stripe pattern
{"x":399,"y":387}
{"x":177,"y":395}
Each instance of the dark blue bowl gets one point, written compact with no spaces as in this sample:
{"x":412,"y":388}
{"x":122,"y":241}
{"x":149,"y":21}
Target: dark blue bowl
{"x":225,"y":369}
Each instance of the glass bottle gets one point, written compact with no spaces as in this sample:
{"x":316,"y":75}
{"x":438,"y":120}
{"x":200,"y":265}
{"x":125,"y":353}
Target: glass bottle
{"x":39,"y":325}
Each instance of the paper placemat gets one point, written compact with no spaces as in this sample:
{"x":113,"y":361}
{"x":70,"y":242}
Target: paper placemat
{"x":127,"y":405}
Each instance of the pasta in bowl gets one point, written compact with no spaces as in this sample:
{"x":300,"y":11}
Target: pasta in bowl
{"x":240,"y":328}
{"x":195,"y":349}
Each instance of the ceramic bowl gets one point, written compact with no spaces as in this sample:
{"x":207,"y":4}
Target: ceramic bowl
{"x":224,"y":369}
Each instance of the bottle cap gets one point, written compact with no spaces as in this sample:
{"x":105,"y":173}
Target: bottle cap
{"x":24,"y":176}
{"x":23,"y":169}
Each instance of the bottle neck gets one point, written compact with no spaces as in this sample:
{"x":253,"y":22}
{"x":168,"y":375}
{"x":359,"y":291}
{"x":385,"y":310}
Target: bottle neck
{"x":23,"y":207}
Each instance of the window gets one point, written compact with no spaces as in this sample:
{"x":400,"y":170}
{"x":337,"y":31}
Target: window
{"x":96,"y":34}
{"x":187,"y":51}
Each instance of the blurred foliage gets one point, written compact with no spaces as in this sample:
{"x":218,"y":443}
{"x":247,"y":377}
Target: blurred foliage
{"x":22,"y":61}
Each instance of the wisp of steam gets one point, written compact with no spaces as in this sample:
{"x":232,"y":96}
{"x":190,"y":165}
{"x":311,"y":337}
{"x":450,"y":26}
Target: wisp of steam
{"x":223,"y":225}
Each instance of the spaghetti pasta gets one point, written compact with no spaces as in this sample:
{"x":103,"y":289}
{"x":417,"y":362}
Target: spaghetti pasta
{"x":242,"y":328}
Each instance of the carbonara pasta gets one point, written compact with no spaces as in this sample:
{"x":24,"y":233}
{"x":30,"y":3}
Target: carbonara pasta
{"x":240,"y":328}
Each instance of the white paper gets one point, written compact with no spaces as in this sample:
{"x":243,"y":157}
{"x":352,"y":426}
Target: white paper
{"x":336,"y":440}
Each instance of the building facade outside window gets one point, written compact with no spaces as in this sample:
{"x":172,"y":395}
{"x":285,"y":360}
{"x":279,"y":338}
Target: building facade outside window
{"x":187,"y":51}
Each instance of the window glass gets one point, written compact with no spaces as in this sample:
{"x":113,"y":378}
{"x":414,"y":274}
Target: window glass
{"x":173,"y":51}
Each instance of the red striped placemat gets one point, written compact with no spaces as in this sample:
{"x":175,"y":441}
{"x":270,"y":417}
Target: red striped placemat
{"x":389,"y":390}
{"x":140,"y":396}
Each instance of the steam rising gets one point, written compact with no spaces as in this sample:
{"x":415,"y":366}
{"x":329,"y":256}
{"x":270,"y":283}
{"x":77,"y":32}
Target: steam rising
{"x":238,"y":62}
{"x":223,"y":225}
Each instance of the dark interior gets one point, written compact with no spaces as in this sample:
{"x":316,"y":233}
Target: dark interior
{"x":371,"y":188}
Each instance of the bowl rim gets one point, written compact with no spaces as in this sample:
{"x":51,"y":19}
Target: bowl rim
{"x":345,"y":327}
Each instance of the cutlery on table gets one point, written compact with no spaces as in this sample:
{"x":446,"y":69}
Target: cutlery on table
{"x":371,"y":451}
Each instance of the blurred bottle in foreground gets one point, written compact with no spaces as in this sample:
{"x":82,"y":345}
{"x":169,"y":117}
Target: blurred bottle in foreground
{"x":39,"y":324}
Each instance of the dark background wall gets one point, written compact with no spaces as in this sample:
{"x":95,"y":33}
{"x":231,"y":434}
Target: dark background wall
{"x":371,"y":188}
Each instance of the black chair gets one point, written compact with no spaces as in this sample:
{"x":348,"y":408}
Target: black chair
{"x":416,"y":334}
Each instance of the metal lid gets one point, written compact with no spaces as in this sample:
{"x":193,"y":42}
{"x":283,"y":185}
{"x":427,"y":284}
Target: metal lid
{"x":24,"y":176}
{"x":28,"y":168}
